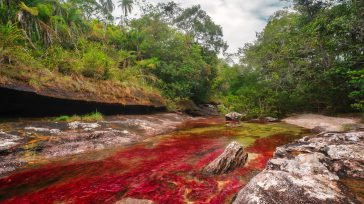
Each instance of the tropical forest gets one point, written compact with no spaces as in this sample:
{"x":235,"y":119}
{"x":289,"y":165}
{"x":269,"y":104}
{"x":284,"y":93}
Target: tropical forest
{"x":152,"y":101}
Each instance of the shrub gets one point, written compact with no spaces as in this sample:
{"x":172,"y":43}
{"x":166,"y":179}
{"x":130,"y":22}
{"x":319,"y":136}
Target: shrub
{"x":96,"y":64}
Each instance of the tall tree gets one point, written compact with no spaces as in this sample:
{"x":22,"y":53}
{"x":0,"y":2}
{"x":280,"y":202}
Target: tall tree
{"x":108,"y":5}
{"x":126,"y":7}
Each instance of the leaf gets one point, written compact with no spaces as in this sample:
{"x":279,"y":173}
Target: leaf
{"x":31,"y":10}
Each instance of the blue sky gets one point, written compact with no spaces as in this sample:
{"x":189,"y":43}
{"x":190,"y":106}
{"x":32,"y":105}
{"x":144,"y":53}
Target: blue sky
{"x":240,"y":19}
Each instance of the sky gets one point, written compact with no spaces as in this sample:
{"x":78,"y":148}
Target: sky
{"x":240,"y":19}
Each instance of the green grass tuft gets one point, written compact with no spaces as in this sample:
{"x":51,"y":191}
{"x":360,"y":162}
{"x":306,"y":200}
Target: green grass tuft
{"x":95,"y":116}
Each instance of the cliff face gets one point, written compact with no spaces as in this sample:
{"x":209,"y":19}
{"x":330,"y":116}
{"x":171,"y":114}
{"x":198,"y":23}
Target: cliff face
{"x":73,"y":95}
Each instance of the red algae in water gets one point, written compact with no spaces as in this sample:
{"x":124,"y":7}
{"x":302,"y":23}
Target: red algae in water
{"x":170,"y":172}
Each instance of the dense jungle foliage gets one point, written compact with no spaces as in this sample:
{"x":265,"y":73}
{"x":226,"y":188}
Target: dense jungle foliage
{"x":308,"y":58}
{"x":170,"y":48}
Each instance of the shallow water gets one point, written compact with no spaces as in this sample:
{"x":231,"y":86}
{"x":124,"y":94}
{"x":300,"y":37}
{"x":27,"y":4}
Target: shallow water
{"x":165,"y":168}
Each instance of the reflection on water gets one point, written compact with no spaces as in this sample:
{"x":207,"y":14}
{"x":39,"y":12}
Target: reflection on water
{"x":165,"y":169}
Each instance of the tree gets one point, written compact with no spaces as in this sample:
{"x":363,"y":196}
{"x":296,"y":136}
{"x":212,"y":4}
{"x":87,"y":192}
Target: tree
{"x":126,"y":7}
{"x":310,"y":60}
{"x":108,"y":5}
{"x":196,"y":22}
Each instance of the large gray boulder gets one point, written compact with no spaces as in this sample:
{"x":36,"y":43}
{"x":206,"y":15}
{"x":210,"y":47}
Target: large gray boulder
{"x":309,"y":171}
{"x":234,"y":116}
{"x":233,"y":157}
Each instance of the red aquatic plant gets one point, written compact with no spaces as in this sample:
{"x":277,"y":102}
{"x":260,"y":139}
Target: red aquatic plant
{"x":167,"y":172}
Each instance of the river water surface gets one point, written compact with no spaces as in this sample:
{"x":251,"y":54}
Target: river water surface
{"x":164,"y":168}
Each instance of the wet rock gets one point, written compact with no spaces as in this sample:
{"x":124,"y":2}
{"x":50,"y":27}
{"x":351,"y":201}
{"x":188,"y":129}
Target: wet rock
{"x":84,"y":126}
{"x":134,"y":201}
{"x":264,"y":120}
{"x":318,"y":129}
{"x":9,"y":164}
{"x":189,"y":107}
{"x":8,"y":140}
{"x":270,"y":119}
{"x":208,"y":110}
{"x":309,"y":171}
{"x":234,"y":116}
{"x":45,"y":130}
{"x":75,"y":143}
{"x":233,"y":157}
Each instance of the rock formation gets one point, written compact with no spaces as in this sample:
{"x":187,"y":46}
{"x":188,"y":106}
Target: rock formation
{"x":233,"y":157}
{"x":309,"y":171}
{"x":74,"y":97}
{"x":234,"y":116}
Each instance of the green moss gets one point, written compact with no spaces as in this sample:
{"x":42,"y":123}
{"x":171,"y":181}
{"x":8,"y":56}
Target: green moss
{"x":66,"y":118}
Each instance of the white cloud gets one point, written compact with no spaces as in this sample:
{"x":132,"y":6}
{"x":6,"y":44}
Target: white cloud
{"x":240,"y":19}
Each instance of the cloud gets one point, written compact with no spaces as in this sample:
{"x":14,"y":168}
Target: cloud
{"x":240,"y":19}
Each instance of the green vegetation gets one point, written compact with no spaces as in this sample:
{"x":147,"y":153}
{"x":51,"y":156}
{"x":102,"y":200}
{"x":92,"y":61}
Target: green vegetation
{"x":168,"y":48}
{"x":311,"y":59}
{"x":308,"y":59}
{"x":95,"y":116}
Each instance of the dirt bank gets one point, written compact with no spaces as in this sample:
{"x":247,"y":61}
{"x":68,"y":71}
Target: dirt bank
{"x":77,"y":89}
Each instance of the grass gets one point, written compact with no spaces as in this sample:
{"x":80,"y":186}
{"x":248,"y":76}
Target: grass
{"x":347,"y":127}
{"x":95,"y":116}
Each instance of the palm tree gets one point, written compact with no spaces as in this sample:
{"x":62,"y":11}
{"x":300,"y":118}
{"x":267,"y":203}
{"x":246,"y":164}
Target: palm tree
{"x":108,"y":5}
{"x":49,"y":21}
{"x":126,"y":7}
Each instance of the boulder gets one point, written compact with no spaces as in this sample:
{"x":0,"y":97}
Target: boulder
{"x":309,"y":171}
{"x":189,"y":107}
{"x":234,"y":116}
{"x":283,"y":187}
{"x":233,"y":157}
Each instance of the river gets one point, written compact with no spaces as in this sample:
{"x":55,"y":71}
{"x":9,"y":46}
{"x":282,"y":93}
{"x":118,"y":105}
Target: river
{"x":161,"y":167}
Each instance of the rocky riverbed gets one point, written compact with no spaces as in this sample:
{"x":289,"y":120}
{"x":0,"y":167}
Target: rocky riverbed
{"x":166,"y":168}
{"x":31,"y":142}
{"x":326,"y":168}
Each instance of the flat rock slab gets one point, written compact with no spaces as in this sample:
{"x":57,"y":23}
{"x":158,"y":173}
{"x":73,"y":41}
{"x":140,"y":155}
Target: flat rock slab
{"x":233,"y":157}
{"x":320,"y":122}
